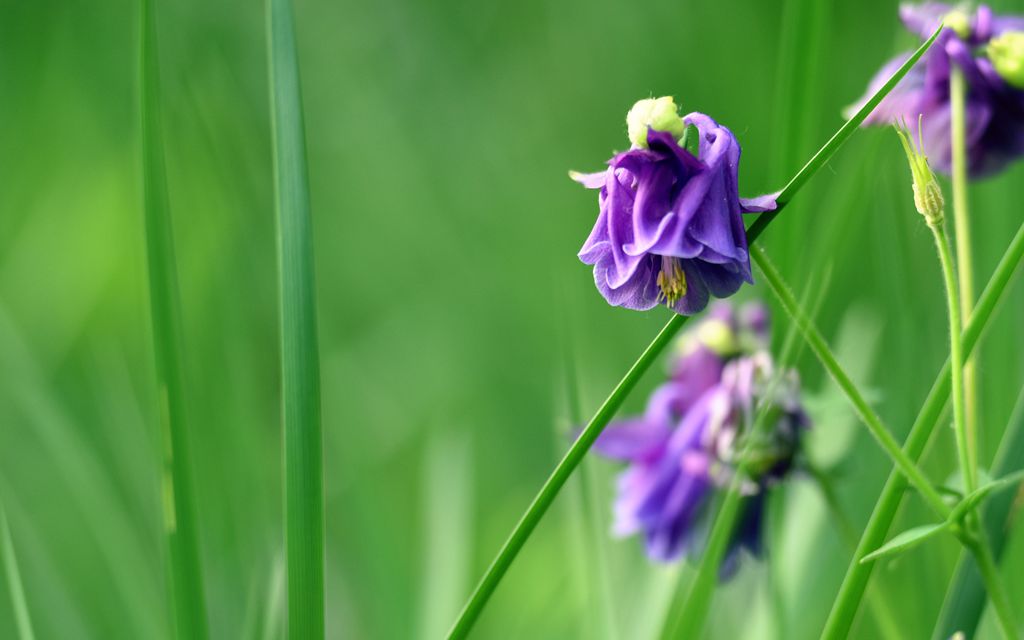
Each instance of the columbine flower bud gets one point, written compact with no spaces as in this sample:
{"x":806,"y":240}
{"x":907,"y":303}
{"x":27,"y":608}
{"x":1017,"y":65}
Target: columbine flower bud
{"x":927,"y":192}
{"x":959,"y":22}
{"x":1007,"y":55}
{"x":660,"y":114}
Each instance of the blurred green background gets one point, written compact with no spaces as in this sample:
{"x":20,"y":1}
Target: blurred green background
{"x":439,"y":135}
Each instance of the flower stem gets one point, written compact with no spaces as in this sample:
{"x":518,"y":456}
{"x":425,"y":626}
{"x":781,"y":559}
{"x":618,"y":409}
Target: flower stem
{"x":300,"y":363}
{"x":965,"y":597}
{"x":976,"y":543}
{"x":994,"y":586}
{"x":188,"y":603}
{"x":857,"y":575}
{"x":956,"y":356}
{"x":964,"y":260}
{"x":868,"y":416}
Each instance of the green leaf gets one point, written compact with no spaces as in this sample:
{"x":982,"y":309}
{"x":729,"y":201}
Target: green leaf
{"x":9,"y":561}
{"x":982,"y":492}
{"x":180,"y":526}
{"x":906,"y":540}
{"x":300,"y":358}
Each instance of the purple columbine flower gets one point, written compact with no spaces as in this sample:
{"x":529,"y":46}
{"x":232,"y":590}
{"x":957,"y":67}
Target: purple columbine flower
{"x":670,"y":229}
{"x":984,"y":46}
{"x":689,"y":441}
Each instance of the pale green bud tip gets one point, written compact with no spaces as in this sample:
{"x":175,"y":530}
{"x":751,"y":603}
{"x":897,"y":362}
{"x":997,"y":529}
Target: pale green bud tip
{"x":927,"y":193}
{"x":712,"y":334}
{"x":959,"y":22}
{"x":660,"y":114}
{"x":1007,"y":55}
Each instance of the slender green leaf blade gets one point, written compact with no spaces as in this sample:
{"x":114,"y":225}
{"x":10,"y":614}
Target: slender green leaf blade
{"x":837,"y":140}
{"x":906,"y":540}
{"x":9,"y":560}
{"x":300,"y":360}
{"x":978,"y":495}
{"x":188,"y":603}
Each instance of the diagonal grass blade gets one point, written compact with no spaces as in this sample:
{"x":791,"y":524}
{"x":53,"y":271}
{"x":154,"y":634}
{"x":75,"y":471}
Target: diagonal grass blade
{"x":22,"y":619}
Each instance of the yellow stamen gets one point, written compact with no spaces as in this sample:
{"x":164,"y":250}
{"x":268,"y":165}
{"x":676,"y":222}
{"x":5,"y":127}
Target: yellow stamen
{"x":671,"y":280}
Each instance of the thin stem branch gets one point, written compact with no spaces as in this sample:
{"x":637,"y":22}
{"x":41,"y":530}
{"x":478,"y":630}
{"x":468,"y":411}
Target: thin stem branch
{"x":956,"y":355}
{"x":868,"y":416}
{"x":994,"y":586}
{"x":964,"y":260}
{"x":965,"y":597}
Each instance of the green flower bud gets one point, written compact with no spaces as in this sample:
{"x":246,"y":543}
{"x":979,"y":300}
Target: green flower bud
{"x":660,"y":114}
{"x":959,"y":22}
{"x":713,"y":334}
{"x":1007,"y":55}
{"x":927,"y":193}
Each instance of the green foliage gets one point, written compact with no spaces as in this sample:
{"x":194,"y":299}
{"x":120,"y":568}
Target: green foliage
{"x":439,"y":135}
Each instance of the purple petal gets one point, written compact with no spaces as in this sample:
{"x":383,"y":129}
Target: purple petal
{"x":589,"y":180}
{"x":923,"y":19}
{"x":758,"y":204}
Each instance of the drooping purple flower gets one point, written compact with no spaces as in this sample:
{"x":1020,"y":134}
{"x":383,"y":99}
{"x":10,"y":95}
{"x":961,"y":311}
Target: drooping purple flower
{"x":697,"y":426}
{"x":670,"y":228}
{"x":994,"y":105}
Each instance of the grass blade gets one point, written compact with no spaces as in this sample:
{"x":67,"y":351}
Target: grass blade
{"x":300,"y":364}
{"x":188,"y":602}
{"x":837,"y":140}
{"x":558,"y":477}
{"x":854,"y":584}
{"x":22,"y":619}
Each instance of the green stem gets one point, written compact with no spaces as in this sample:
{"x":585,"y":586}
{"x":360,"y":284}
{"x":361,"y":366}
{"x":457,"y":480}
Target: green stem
{"x":300,"y":364}
{"x":964,"y":260}
{"x":965,"y":598}
{"x":186,"y":584}
{"x":868,"y":416}
{"x":855,"y":582}
{"x":956,"y":355}
{"x":994,"y":586}
{"x":557,"y":479}
{"x":572,"y":458}
{"x":885,"y":619}
{"x":977,"y":545}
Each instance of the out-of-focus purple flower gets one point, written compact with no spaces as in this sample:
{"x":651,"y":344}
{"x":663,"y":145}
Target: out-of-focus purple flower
{"x":994,"y":106}
{"x":670,"y":229}
{"x":696,"y":429}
